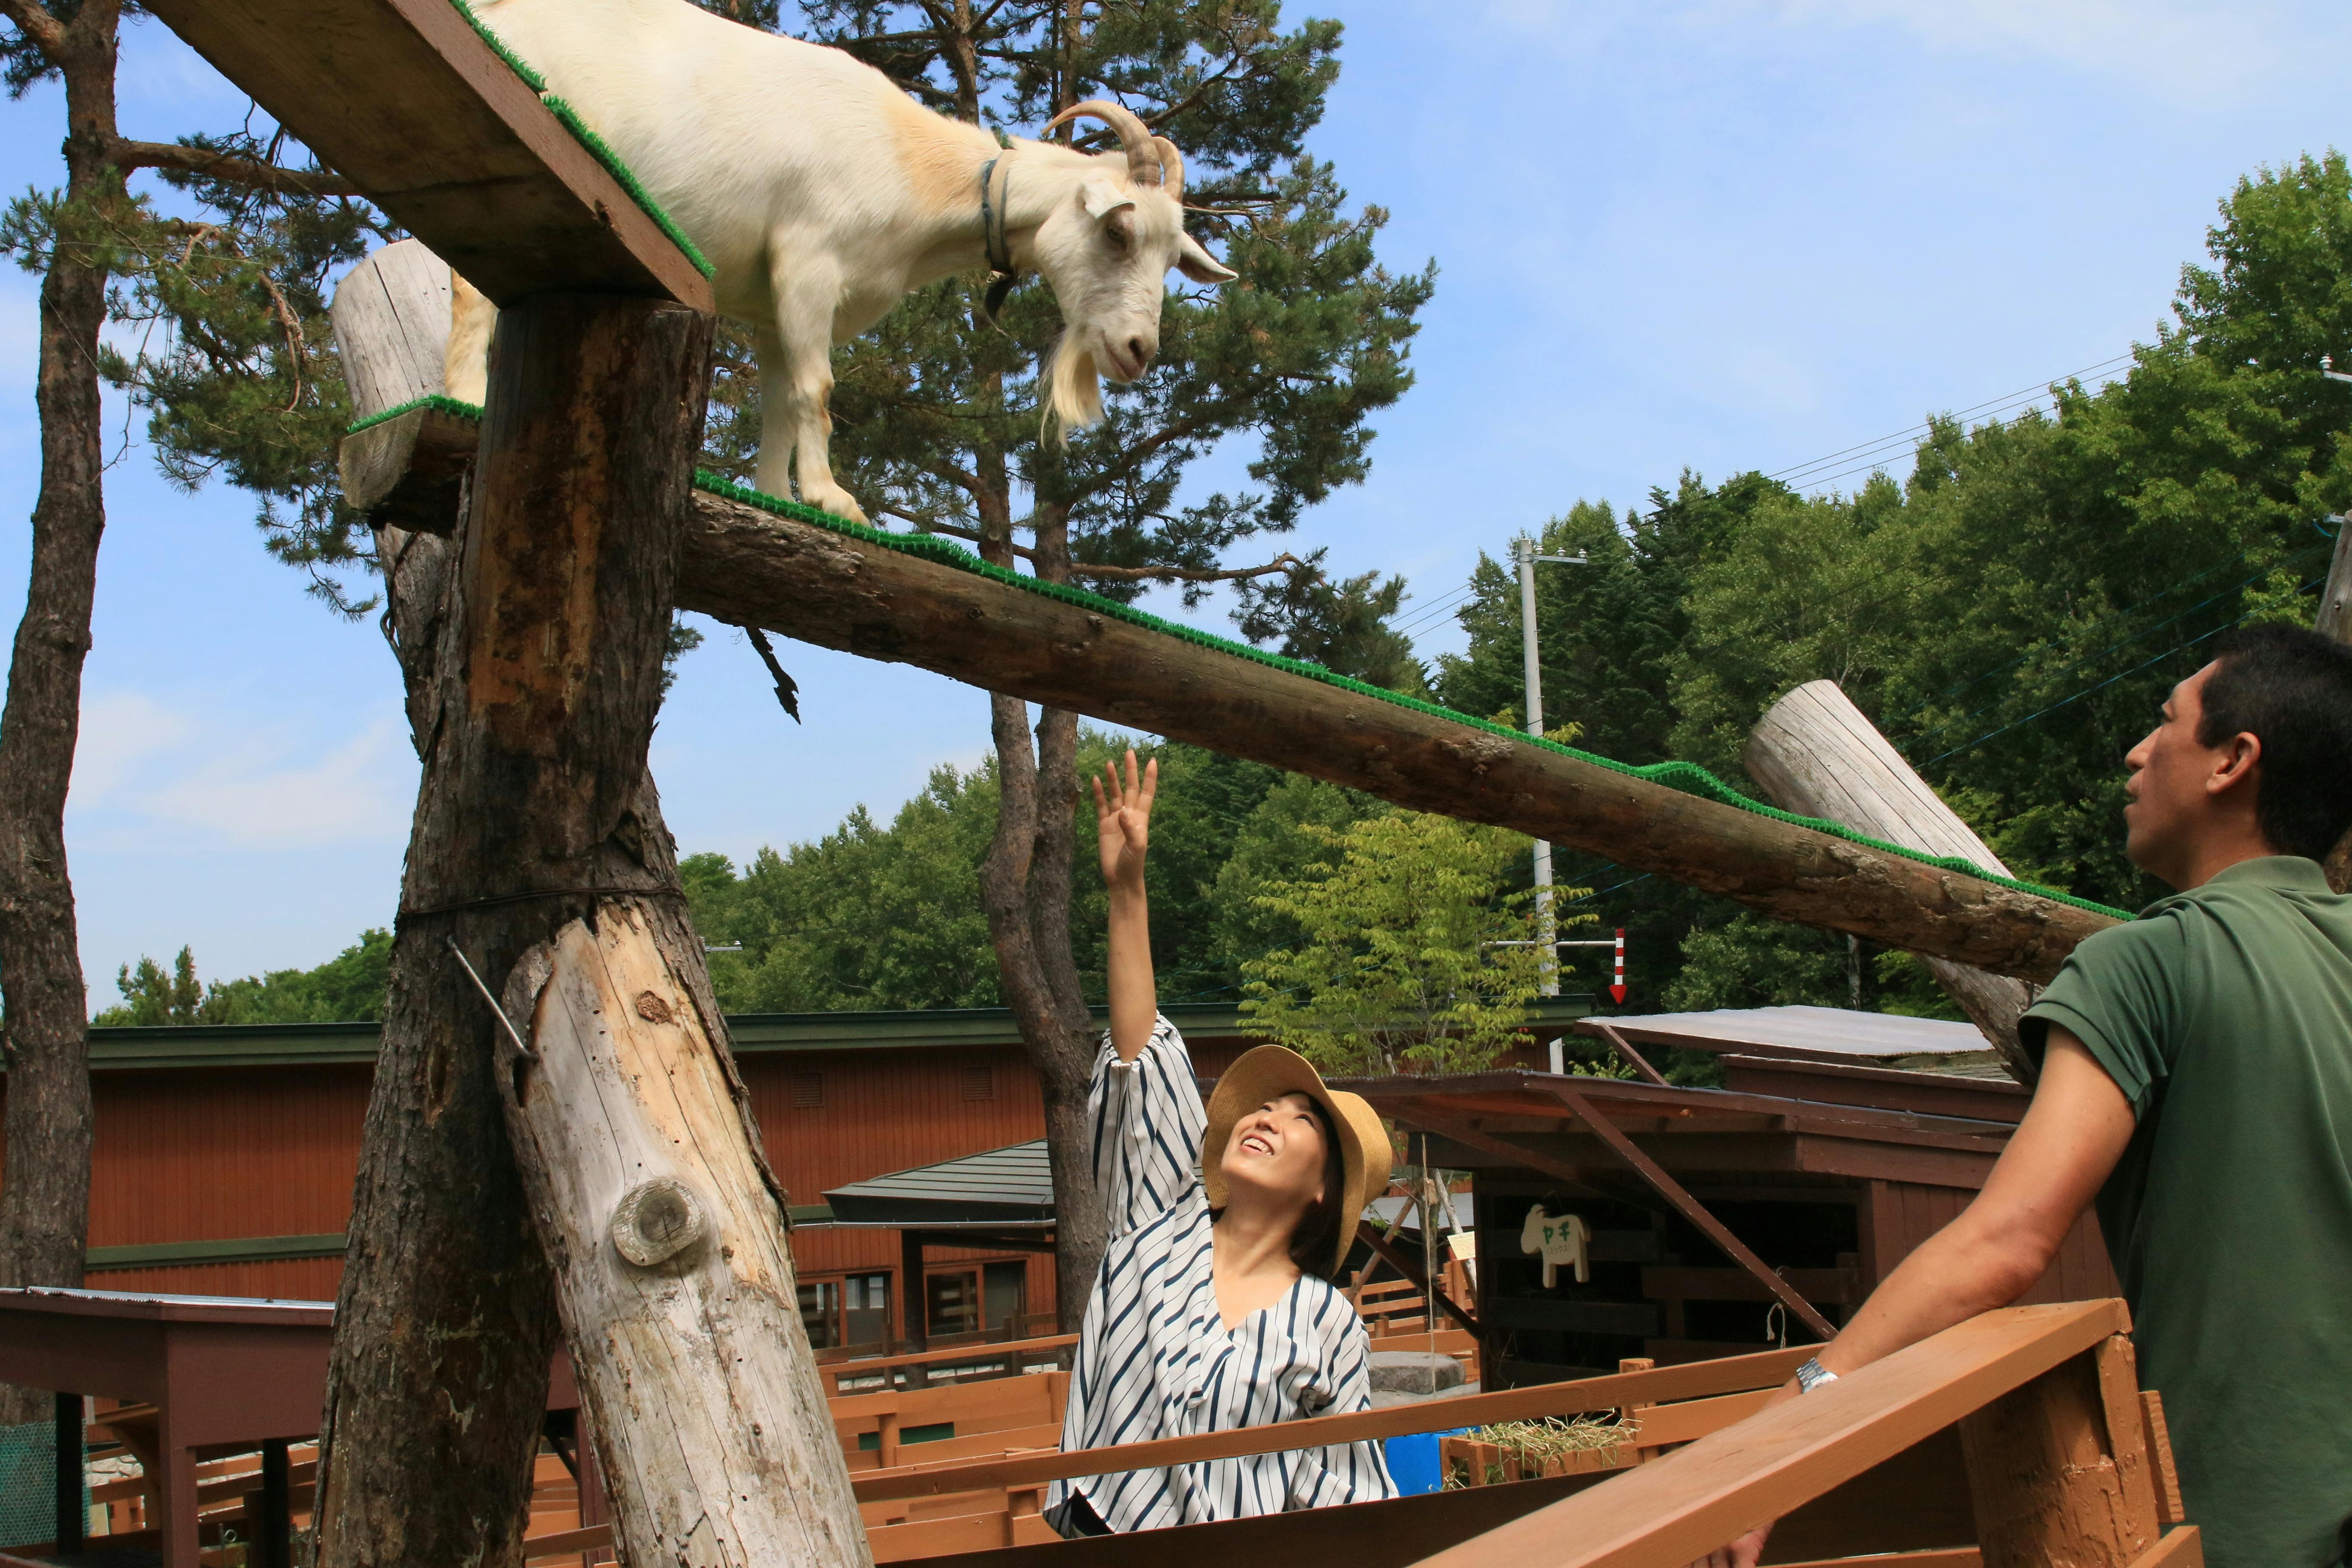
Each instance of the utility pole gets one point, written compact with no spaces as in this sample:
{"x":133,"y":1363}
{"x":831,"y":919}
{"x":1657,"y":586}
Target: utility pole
{"x":1524,"y":549}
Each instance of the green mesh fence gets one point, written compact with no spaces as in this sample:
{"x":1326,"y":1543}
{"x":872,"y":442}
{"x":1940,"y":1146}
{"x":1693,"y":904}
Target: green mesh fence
{"x":595,"y":144}
{"x":1688,"y":778}
{"x":28,"y":1484}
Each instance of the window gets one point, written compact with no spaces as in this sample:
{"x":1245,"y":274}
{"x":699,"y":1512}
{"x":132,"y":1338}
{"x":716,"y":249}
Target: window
{"x":951,"y":1302}
{"x":807,"y":1090}
{"x":866,"y":1317}
{"x":979,"y":1081}
{"x":855,"y":1311}
{"x":821,"y":1313}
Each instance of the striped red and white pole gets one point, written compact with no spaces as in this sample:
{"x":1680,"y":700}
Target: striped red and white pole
{"x":1617,"y":986}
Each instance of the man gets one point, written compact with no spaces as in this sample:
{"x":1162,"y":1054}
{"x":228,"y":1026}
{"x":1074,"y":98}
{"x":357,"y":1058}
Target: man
{"x":2197,"y":1082}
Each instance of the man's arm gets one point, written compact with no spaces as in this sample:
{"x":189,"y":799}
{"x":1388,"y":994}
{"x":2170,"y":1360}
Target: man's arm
{"x":2072,"y":1134}
{"x":2056,"y":1160}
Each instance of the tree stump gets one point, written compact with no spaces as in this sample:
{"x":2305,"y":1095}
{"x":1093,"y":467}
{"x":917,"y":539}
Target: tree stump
{"x":1815,"y":754}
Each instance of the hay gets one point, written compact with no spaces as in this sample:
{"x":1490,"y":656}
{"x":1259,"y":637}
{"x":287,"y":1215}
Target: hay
{"x":1534,"y":1444}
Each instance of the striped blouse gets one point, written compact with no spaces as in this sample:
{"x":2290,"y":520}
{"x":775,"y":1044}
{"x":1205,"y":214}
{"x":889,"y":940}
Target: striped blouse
{"x":1156,"y":1360}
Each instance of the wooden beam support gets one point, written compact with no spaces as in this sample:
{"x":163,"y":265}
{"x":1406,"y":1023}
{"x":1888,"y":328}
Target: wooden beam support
{"x":1569,"y":1177}
{"x":1410,"y":1268}
{"x":1626,"y":1053}
{"x":405,"y":100}
{"x":2046,"y":1485}
{"x":1815,"y":754}
{"x":1693,"y":1210}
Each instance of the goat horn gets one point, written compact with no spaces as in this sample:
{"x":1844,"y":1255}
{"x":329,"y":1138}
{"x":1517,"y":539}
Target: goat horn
{"x":1142,"y":157}
{"x":1171,"y":166}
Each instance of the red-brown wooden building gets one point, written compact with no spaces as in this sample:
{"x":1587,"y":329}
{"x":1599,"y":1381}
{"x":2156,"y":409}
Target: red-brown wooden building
{"x":225,"y":1155}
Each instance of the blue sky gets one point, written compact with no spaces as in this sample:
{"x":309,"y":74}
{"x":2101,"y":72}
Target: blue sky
{"x":1719,"y":235}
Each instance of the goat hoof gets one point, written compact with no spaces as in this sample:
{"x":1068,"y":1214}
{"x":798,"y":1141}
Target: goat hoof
{"x":834,"y":499}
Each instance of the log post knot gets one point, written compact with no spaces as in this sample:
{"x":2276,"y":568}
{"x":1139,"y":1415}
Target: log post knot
{"x":659,"y":1220}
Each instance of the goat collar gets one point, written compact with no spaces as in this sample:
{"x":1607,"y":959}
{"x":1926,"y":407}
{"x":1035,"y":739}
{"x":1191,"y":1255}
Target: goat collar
{"x":1002,"y":275}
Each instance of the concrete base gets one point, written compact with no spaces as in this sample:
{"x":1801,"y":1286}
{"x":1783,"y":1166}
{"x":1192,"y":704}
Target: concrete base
{"x":1413,"y":1372}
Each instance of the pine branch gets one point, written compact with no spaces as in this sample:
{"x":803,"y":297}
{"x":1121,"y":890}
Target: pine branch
{"x":41,"y":28}
{"x":127,"y":155}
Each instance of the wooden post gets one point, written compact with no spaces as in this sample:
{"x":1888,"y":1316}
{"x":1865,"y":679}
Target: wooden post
{"x":445,"y":1321}
{"x":1813,"y":752}
{"x":634,"y":1136}
{"x":2046,"y":1481}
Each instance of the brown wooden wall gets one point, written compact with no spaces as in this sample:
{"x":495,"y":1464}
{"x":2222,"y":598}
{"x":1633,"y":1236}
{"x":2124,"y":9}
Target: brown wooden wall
{"x":228,"y":1154}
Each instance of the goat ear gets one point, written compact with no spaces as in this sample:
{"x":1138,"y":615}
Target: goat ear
{"x":1196,"y":263}
{"x":1103,"y":198}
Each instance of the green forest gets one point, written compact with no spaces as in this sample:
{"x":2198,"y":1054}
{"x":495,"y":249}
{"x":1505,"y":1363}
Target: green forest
{"x":2010,"y":613}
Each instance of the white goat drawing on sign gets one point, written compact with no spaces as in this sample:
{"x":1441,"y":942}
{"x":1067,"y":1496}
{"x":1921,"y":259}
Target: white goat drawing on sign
{"x":1561,"y":1238}
{"x":822,"y":193}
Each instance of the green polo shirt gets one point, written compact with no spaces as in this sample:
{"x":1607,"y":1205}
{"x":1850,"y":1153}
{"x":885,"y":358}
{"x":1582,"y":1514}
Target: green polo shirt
{"x":2225,"y":1014}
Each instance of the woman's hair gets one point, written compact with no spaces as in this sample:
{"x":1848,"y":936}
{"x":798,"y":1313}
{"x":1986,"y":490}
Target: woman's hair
{"x":1313,"y":1244}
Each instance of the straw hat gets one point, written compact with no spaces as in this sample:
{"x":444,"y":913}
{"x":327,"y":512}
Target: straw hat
{"x":1270,"y":1071}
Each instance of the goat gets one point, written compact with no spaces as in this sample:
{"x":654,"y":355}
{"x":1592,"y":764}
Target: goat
{"x":821,"y":193}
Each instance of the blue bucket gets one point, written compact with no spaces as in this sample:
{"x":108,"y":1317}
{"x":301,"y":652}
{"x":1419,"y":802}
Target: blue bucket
{"x":1413,"y":1464}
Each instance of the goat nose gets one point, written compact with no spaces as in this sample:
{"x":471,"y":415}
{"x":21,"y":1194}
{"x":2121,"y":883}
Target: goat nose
{"x":1141,"y":352}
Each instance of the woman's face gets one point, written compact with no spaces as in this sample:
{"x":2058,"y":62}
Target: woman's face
{"x":1278,"y":1150}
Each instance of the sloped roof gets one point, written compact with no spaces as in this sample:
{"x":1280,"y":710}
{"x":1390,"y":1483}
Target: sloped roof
{"x":1012,"y":1185}
{"x":1816,"y":1033}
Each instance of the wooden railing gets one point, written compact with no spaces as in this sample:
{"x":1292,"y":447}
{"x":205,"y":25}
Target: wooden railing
{"x":1008,"y":1357}
{"x":2018,"y":1438}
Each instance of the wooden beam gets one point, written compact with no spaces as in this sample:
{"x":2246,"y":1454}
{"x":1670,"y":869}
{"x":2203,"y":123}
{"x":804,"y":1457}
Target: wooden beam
{"x":1815,"y":754}
{"x":2045,"y":1481}
{"x":405,"y":100}
{"x":1570,"y":1177}
{"x":1693,"y":1500}
{"x":1627,"y":1053}
{"x":1693,"y":1210}
{"x":746,"y":566}
{"x":1662,"y":1386}
{"x":1410,"y":1268}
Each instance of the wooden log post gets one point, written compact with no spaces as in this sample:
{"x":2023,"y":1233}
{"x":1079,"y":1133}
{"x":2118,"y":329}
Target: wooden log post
{"x":634,"y":1135}
{"x":2046,"y":1481}
{"x":446,"y":1319}
{"x":1814,"y":754}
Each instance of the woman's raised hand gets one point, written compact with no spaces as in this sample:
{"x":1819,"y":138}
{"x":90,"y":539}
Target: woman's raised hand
{"x":1123,"y":819}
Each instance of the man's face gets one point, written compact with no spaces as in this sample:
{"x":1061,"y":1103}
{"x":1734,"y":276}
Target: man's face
{"x":2169,"y":786}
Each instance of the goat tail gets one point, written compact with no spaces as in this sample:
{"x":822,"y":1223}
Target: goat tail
{"x":1074,"y":391}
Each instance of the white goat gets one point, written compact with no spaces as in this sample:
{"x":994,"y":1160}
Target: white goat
{"x":822,"y":193}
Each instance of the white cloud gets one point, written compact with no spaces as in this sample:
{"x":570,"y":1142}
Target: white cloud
{"x":118,"y":729}
{"x":360,"y":790}
{"x":2187,"y":48}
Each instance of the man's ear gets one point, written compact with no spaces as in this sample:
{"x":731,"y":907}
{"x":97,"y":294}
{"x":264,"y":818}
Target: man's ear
{"x":1101,"y":198}
{"x":2240,"y":759}
{"x":1194,"y":262}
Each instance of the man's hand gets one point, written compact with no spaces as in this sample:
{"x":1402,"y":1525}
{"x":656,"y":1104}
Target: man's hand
{"x":1743,"y":1552}
{"x":1123,"y":821}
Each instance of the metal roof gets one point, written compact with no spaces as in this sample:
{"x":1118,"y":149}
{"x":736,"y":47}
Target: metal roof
{"x":1012,"y":1184}
{"x":1817,"y":1034}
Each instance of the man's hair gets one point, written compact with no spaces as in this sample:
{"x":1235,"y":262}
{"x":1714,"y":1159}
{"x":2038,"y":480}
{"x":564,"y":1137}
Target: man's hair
{"x":2292,"y":689}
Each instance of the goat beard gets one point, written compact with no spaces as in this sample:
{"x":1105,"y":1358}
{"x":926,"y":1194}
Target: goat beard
{"x":1074,"y":391}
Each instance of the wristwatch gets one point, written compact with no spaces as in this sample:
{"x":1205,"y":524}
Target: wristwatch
{"x":1812,"y":1375}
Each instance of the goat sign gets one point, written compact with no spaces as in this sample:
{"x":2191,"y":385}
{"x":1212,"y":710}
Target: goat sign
{"x":1561,"y":1238}
{"x":822,"y":193}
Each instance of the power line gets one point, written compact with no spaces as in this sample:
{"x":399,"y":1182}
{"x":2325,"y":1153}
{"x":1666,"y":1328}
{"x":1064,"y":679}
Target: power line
{"x":1911,"y":434}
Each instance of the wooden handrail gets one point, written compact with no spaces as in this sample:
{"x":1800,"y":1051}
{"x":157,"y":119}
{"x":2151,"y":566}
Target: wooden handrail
{"x":1696,"y":1380}
{"x":1009,"y":1348}
{"x":1681,"y":1507}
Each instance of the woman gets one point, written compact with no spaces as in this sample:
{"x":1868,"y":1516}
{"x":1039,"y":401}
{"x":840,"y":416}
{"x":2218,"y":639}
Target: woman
{"x":1215,"y":1306}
